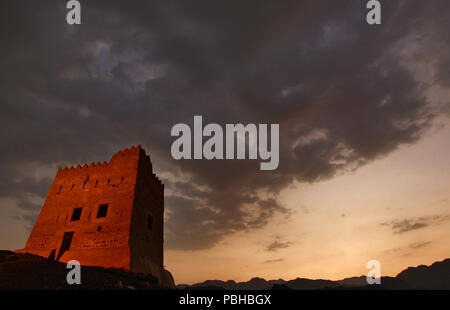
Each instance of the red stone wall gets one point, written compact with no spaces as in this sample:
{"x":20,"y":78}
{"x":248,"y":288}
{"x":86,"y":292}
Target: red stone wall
{"x":147,"y":244}
{"x":120,"y":239}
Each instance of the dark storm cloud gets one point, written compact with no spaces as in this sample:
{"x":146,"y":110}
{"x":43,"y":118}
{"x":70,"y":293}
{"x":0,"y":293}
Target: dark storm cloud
{"x":29,"y":206}
{"x":73,"y":94}
{"x":29,"y":212}
{"x":410,"y":224}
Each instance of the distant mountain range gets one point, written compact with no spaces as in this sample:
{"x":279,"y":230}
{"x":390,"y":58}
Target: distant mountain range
{"x":433,"y":277}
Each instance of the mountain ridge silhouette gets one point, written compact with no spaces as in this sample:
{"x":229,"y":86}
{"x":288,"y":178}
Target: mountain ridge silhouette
{"x":435,"y":276}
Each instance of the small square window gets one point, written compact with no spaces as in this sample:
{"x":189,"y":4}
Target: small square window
{"x":76,"y":214}
{"x":102,"y":210}
{"x":99,"y":228}
{"x":150,"y":222}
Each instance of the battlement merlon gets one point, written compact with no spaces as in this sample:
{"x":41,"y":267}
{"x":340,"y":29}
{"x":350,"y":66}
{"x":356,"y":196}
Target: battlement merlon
{"x":127,"y":157}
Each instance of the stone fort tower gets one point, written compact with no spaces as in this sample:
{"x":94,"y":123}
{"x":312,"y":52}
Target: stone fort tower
{"x":105,"y":214}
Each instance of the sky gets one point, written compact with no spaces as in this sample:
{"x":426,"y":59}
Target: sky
{"x":363,"y":113}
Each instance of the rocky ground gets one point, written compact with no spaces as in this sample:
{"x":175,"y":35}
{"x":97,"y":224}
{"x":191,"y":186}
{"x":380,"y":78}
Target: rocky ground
{"x":31,"y":272}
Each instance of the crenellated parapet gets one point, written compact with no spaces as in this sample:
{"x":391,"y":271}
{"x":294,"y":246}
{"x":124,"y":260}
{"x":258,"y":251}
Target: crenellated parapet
{"x":105,"y":173}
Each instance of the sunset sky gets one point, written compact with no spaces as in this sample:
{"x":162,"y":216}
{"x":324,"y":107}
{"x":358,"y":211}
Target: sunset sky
{"x":364,"y":118}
